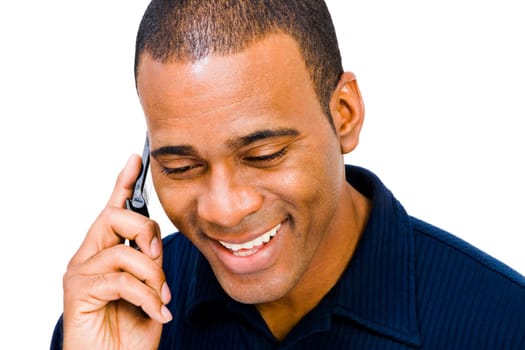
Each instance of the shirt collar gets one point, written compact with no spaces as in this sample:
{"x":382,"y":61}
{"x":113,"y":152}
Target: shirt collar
{"x":377,"y":290}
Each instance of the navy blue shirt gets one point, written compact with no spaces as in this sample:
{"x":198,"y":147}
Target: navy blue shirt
{"x":409,"y":285}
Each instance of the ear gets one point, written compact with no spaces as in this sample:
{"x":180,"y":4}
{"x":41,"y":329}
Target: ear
{"x":348,"y":111}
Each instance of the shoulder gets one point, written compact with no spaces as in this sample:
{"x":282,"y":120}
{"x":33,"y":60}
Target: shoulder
{"x":438,"y":245}
{"x":462,"y":292}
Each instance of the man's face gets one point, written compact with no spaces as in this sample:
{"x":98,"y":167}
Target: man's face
{"x":246,"y":164}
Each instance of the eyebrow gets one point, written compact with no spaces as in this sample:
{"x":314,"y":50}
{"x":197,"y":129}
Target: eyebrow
{"x":187,"y":150}
{"x":182,"y":150}
{"x":261,"y":135}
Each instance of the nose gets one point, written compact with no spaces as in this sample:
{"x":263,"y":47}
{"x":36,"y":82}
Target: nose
{"x":228,"y":199}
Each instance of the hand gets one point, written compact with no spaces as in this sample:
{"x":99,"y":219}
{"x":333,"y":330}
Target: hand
{"x":114,"y":295}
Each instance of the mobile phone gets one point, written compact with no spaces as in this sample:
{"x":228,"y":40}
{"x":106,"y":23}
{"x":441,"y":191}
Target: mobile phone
{"x":138,"y":202}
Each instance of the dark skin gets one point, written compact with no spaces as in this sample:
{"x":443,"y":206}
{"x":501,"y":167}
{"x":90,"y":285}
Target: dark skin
{"x":107,"y":283}
{"x":236,"y":140}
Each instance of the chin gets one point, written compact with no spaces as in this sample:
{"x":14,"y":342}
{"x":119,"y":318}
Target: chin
{"x":258,"y":291}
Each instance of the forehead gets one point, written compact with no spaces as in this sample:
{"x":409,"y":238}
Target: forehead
{"x":268,"y":79}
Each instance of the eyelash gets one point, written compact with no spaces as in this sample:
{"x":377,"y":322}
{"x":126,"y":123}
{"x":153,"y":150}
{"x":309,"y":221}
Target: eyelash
{"x":269,"y":157}
{"x":260,"y":159}
{"x":181,"y":170}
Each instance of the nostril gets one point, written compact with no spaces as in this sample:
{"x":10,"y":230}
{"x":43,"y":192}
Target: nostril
{"x":229,"y":208}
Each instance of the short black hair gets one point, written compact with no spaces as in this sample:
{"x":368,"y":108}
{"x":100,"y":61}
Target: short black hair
{"x":189,"y":30}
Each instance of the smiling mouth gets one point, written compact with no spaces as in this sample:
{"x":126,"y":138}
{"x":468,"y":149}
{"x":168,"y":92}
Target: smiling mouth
{"x":251,"y":247}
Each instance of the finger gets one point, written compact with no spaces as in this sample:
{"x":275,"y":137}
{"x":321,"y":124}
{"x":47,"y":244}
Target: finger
{"x":125,"y":182}
{"x":101,"y":234}
{"x":115,"y":225}
{"x":123,"y":258}
{"x":145,"y":233}
{"x":99,"y":290}
{"x":125,"y":224}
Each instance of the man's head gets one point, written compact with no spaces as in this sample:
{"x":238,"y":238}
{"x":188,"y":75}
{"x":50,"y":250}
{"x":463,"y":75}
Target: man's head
{"x":189,"y":30}
{"x":245,"y":163}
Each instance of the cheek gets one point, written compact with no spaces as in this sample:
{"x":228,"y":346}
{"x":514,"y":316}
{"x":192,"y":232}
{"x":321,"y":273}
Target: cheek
{"x":315,"y":192}
{"x":176,"y":200}
{"x":318,"y":172}
{"x":308,"y":185}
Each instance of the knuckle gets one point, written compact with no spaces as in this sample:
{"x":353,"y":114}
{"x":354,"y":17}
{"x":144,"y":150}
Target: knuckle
{"x":109,"y":284}
{"x":150,"y":226}
{"x":145,"y":231}
{"x":73,"y":286}
{"x":121,"y":279}
{"x":71,"y":276}
{"x":100,"y":281}
{"x":66,"y":281}
{"x":107,"y":213}
{"x":70,"y":265}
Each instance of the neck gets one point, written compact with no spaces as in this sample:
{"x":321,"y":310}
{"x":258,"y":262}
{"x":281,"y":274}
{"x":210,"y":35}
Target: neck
{"x":325,"y":269}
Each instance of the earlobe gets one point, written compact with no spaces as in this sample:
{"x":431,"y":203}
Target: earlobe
{"x":348,"y":111}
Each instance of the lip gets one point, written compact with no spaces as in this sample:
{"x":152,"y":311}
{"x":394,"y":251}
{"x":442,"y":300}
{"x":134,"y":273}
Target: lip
{"x":260,"y":259}
{"x":251,"y":245}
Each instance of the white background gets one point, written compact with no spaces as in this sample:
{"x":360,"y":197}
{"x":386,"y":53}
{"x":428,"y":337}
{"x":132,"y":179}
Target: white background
{"x":443,"y":83}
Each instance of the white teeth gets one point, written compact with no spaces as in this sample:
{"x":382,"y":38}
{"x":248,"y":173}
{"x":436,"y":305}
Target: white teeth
{"x":264,"y":238}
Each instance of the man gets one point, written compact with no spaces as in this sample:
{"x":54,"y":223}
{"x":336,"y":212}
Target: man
{"x":249,"y":114}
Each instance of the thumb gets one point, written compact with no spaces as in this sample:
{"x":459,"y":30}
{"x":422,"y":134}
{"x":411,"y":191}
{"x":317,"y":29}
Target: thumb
{"x":125,"y":182}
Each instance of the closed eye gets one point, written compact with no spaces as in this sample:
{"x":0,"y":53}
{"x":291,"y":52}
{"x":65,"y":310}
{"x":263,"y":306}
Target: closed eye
{"x":180,"y":170}
{"x":267,"y":158}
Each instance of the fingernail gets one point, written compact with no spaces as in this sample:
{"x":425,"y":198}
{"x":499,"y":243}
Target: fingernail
{"x":166,"y":314}
{"x":165,"y":293}
{"x":155,"y":247}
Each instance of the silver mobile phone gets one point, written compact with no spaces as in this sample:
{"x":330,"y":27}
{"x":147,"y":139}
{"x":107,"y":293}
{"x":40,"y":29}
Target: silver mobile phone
{"x":138,"y":201}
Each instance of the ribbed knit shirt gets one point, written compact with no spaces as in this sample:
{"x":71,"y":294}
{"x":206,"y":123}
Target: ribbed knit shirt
{"x":409,"y":285}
